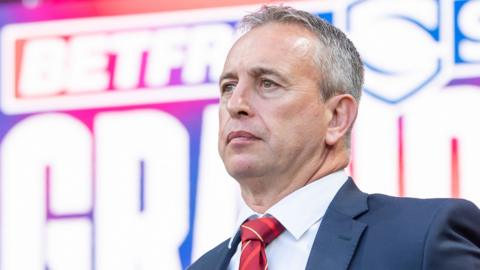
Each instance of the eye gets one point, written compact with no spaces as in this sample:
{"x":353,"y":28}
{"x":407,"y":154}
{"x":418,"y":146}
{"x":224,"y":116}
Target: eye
{"x":267,"y":84}
{"x":227,"y":87}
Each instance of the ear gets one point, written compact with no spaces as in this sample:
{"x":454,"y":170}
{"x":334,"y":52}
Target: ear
{"x":343,"y":110}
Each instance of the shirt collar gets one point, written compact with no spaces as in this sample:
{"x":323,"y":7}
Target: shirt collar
{"x":299,"y":210}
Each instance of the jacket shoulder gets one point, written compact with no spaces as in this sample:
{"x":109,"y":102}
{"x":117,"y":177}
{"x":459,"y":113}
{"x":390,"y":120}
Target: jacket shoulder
{"x":431,"y":233}
{"x":416,"y":233}
{"x":424,"y":213}
{"x":453,"y":240}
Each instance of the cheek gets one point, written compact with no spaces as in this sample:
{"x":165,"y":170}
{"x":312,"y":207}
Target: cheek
{"x":303,"y":123}
{"x":222,"y":122}
{"x":222,"y":118}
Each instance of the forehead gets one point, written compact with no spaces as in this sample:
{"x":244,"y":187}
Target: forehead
{"x":273,"y":44}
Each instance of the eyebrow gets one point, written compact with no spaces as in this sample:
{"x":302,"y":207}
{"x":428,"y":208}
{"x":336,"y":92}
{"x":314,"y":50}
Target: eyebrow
{"x":259,"y":71}
{"x":228,"y":75}
{"x":254,"y":72}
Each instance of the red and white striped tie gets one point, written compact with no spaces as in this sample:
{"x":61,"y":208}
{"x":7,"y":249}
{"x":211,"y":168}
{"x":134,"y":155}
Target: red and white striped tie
{"x":256,"y":234}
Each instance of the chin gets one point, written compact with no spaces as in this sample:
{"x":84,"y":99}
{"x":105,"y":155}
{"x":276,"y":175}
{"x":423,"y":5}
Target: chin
{"x":240,"y":170}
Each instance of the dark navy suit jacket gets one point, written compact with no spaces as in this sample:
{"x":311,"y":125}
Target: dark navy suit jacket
{"x":379,"y":232}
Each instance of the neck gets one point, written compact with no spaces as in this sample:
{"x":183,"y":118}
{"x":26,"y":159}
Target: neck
{"x":261,"y":193}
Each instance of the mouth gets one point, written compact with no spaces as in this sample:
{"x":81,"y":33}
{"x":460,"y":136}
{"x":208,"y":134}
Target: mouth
{"x":240,"y":136}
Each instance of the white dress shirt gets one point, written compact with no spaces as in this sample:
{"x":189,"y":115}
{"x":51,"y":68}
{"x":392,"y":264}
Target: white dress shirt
{"x":301,"y":213}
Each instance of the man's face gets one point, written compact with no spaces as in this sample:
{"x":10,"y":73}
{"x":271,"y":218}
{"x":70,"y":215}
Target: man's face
{"x":272,"y":118}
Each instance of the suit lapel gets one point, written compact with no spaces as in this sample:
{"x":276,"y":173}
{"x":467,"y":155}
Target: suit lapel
{"x":339,"y":233}
{"x":227,"y":253}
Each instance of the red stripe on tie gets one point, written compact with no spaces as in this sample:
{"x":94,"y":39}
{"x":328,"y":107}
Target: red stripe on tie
{"x":256,"y":234}
{"x":273,"y":226}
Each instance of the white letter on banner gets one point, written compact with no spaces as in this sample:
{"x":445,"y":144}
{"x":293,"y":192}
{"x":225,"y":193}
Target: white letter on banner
{"x":469,"y":23}
{"x":166,"y":52}
{"x":430,"y":124}
{"x":43,"y":67}
{"x":128,"y":48}
{"x":29,"y":240}
{"x":141,"y":212}
{"x":208,"y":47}
{"x":217,"y":192}
{"x":88,"y":64}
{"x":69,"y":245}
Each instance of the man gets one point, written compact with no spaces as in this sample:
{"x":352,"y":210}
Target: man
{"x":289,"y":96}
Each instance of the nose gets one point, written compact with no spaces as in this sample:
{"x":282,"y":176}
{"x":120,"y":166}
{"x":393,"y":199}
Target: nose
{"x":239,"y":104}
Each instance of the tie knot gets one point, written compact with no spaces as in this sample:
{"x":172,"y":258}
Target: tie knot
{"x":264,"y":229}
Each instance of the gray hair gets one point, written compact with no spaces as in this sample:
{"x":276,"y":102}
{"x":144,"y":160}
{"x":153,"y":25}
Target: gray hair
{"x":340,"y":65}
